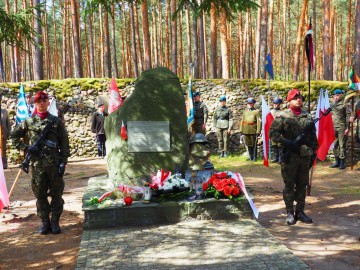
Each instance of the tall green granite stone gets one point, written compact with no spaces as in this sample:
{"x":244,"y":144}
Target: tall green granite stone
{"x":157,"y":97}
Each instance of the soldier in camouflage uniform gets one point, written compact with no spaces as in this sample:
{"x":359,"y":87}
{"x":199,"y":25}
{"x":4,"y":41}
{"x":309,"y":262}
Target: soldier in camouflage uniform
{"x":250,"y":126}
{"x":47,"y":163}
{"x":222,"y":122}
{"x":339,"y":116}
{"x":276,"y":147}
{"x":356,"y":116}
{"x":200,"y":115}
{"x":298,"y":156}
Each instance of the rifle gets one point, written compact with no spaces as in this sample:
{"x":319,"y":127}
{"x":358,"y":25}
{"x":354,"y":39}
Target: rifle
{"x":41,"y":140}
{"x":301,"y":135}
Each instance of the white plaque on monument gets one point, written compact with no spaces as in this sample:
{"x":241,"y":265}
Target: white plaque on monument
{"x":148,"y":136}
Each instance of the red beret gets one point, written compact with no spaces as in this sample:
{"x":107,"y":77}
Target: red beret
{"x":292,"y":93}
{"x":40,"y":95}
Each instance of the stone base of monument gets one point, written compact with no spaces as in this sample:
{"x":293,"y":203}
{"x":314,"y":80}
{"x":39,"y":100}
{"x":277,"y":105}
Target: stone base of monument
{"x":142,"y":214}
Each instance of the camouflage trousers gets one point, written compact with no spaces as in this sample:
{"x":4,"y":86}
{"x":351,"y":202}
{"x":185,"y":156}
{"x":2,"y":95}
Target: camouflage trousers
{"x":46,"y":182}
{"x":223,"y":139}
{"x":295,"y":174}
{"x":340,"y":144}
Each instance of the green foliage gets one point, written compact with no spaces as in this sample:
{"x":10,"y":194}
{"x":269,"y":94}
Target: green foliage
{"x":20,"y":22}
{"x":229,"y":6}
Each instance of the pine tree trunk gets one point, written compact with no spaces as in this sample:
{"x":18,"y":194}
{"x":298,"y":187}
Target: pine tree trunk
{"x":271,"y":28}
{"x":299,"y":40}
{"x":174,"y":34}
{"x":357,"y":39}
{"x":91,"y":46}
{"x":314,"y":26}
{"x":196,"y":45}
{"x":348,"y":42}
{"x":38,"y":62}
{"x":213,"y":42}
{"x":201,"y":44}
{"x":107,"y":50}
{"x":224,"y":46}
{"x":134,"y":41}
{"x":188,"y":36}
{"x":283,"y":41}
{"x":64,"y":44}
{"x":332,"y":43}
{"x":115,"y":71}
{"x":137,"y":36}
{"x":147,"y":42}
{"x":327,"y":73}
{"x":263,"y":37}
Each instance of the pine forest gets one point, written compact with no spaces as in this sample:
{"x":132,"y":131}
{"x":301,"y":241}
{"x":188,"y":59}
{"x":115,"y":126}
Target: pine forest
{"x":58,"y":39}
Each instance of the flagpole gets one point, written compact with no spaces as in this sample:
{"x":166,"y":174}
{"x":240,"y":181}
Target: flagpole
{"x":308,"y":188}
{"x":352,"y":124}
{"x":309,"y":74}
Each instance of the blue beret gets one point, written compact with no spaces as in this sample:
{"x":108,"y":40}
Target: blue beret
{"x":338,"y":92}
{"x":278,"y":101}
{"x":251,"y":100}
{"x":222,"y":98}
{"x":196,"y":94}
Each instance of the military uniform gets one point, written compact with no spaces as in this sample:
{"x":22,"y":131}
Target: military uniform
{"x":276,"y":147}
{"x":45,"y":180}
{"x":222,"y":122}
{"x":339,"y":113}
{"x":250,"y":126}
{"x":200,"y":116}
{"x":295,"y":168}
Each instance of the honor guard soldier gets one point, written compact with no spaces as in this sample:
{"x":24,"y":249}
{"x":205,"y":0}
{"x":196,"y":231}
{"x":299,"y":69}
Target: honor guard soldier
{"x":339,"y":117}
{"x":276,"y":147}
{"x":200,"y":115}
{"x":250,"y":126}
{"x":297,"y":156}
{"x":47,"y":164}
{"x":223,"y":122}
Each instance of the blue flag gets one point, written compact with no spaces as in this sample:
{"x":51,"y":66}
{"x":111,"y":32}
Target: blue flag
{"x":269,"y":66}
{"x":190,"y":106}
{"x":22,"y":111}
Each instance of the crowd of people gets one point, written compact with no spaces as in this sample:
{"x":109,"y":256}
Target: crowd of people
{"x":49,"y":163}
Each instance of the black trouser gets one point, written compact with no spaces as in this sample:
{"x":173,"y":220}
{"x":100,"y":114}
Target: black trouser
{"x":100,"y":139}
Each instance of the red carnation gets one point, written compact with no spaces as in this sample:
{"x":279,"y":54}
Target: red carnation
{"x":222,"y":175}
{"x":232,"y":181}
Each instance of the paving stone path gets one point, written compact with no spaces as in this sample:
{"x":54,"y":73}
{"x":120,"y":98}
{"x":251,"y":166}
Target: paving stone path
{"x":193,"y":244}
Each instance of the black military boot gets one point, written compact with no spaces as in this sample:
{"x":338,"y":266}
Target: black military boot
{"x":300,"y":215}
{"x":342,"y":164}
{"x":221,"y":154}
{"x":45,"y":228}
{"x":55,"y":226}
{"x":336,"y":164}
{"x":290,"y":218}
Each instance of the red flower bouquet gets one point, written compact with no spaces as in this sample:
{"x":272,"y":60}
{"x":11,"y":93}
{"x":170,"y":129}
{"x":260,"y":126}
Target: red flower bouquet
{"x":222,"y":185}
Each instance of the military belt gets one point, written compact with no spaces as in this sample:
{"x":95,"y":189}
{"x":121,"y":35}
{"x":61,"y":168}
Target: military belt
{"x":248,"y":123}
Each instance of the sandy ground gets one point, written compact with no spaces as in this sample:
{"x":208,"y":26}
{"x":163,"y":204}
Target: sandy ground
{"x":331,"y":242}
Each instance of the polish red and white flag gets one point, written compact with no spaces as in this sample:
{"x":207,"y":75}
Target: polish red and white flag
{"x":266,"y":119}
{"x":115,"y":100}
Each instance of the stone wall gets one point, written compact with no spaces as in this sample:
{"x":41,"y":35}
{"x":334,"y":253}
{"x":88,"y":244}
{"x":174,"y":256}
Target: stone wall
{"x":78,"y":119}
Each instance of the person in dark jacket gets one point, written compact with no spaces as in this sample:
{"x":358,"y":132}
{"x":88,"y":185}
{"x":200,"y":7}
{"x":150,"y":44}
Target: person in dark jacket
{"x":97,"y":127}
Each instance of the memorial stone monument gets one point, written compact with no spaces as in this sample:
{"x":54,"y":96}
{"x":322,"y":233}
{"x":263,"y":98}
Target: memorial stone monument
{"x":155,"y":118}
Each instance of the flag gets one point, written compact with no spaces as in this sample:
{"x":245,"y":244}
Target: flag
{"x":266,"y":119}
{"x":52,"y":107}
{"x":22,"y":111}
{"x":354,"y":81}
{"x":190,"y":106}
{"x":309,"y":48}
{"x":324,"y":127}
{"x":115,"y":100}
{"x":269,"y":66}
{"x":123,"y":132}
{"x":4,"y":195}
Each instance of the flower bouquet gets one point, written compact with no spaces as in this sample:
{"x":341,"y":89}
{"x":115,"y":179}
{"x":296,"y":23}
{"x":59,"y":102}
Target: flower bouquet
{"x":121,"y":195}
{"x":222,"y":185}
{"x":165,"y":182}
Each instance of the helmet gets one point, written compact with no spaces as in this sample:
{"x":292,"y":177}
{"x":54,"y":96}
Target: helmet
{"x":278,"y":101}
{"x":251,"y":100}
{"x":198,"y":137}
